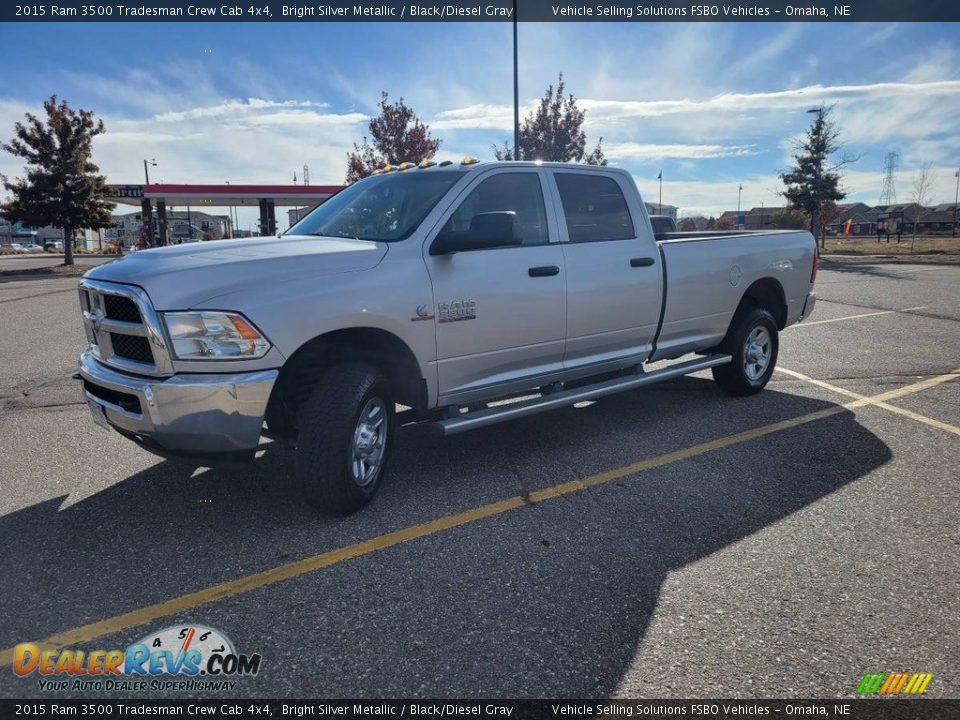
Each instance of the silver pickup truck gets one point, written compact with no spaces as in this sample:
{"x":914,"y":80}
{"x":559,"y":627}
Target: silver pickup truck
{"x":455,"y":294}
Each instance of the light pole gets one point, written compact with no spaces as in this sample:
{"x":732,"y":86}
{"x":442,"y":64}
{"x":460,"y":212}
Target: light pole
{"x":146,"y":176}
{"x":660,"y":199}
{"x":818,"y":171}
{"x":956,"y":200}
{"x":516,"y":90}
{"x":146,"y":171}
{"x":739,"y":196}
{"x":232,"y":213}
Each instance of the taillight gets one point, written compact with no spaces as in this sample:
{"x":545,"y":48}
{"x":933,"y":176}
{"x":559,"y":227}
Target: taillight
{"x":816,"y":264}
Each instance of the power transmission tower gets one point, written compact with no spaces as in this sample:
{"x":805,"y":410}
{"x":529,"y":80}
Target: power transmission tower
{"x":306,"y":175}
{"x":888,"y":195}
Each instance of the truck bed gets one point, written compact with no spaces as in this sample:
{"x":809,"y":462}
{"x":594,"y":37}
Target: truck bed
{"x":715,"y":234}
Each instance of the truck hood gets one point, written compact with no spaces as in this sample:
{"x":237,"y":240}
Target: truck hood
{"x":179,"y":277}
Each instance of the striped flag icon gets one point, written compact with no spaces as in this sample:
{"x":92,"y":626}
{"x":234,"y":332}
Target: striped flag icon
{"x":894,"y":683}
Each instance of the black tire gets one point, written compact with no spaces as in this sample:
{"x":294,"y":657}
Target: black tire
{"x":325,"y":441}
{"x":737,"y":377}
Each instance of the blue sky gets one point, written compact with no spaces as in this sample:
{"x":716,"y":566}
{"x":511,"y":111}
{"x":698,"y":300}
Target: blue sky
{"x":713,"y":105}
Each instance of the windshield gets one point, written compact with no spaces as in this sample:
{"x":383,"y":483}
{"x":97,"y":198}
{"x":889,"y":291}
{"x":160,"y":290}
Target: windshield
{"x":386,"y":208}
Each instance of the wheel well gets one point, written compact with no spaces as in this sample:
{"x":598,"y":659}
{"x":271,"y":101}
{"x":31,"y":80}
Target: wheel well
{"x":768,"y":294}
{"x":308,"y":364}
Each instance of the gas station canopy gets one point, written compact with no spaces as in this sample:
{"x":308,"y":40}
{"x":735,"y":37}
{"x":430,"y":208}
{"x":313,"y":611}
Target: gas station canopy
{"x":155,"y":197}
{"x":222,"y":195}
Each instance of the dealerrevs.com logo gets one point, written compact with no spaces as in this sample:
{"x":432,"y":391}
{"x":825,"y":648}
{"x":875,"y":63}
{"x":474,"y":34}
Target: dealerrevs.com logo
{"x":188,"y":658}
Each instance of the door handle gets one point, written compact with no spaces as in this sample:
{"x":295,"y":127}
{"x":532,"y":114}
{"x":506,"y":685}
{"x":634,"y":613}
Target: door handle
{"x":642,"y":262}
{"x":543,"y":271}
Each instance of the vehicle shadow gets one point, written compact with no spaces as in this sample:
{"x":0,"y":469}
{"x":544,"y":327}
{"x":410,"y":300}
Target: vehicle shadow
{"x":548,"y":600}
{"x":864,"y":267}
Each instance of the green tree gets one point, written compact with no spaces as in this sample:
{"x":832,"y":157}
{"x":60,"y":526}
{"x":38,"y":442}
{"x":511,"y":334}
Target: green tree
{"x":814,"y":179}
{"x":789,"y":218}
{"x":398,"y":136}
{"x":554,"y":132}
{"x":62,"y":187}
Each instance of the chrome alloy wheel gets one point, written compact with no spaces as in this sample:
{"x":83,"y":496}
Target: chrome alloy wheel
{"x":369,"y":442}
{"x":756,"y":354}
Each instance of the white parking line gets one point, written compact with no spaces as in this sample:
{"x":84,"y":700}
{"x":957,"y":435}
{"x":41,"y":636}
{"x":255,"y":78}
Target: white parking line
{"x":854,"y":317}
{"x":875,"y":401}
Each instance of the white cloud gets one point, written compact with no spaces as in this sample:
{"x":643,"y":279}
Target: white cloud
{"x":598,"y":111}
{"x":480,"y":117}
{"x":234,"y":107}
{"x":648,"y":152}
{"x":809,"y":96}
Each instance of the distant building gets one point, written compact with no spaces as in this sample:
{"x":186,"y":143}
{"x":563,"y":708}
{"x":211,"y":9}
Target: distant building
{"x":862,"y":218}
{"x":19,"y":233}
{"x":668,"y":210}
{"x":692,"y":222}
{"x":295,"y":215}
{"x":184,"y":226}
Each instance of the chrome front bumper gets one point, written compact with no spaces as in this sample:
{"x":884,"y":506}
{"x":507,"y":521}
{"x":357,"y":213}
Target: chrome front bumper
{"x":182,"y":414}
{"x":808,"y":306}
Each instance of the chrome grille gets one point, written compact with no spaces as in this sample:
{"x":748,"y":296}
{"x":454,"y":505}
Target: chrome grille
{"x":131,"y":347}
{"x":123,"y":329}
{"x":117,"y":307}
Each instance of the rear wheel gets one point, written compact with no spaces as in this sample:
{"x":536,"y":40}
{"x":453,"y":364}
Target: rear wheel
{"x":344,"y":439}
{"x":754,"y":342}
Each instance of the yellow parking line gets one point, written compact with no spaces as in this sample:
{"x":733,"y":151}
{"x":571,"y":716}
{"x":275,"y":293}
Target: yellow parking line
{"x":876,"y":401}
{"x":239,"y":586}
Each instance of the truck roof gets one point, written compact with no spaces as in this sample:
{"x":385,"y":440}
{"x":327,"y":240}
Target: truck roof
{"x":472,"y":163}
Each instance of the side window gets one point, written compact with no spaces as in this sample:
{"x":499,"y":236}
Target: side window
{"x":594,"y":207}
{"x":519,"y":193}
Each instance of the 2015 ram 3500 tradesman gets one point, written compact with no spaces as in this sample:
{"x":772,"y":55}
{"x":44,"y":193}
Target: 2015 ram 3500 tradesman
{"x":436,"y":288}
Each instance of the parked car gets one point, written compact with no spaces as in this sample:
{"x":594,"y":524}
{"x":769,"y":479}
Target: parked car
{"x":662,"y":224}
{"x":17,"y":247}
{"x":53,"y":245}
{"x":444,"y":289}
{"x":31,"y":248}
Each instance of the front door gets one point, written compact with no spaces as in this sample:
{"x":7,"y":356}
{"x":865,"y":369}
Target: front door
{"x":500,"y":312}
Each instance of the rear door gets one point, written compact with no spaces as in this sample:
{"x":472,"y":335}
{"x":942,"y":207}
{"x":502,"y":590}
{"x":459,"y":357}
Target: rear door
{"x":500,"y":312}
{"x":613,"y":269}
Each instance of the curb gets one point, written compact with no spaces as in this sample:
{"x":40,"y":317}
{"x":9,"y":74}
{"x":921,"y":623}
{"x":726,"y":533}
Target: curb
{"x":939,"y":259}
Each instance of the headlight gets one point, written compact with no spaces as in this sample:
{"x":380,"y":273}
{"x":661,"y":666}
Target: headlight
{"x":212,"y":335}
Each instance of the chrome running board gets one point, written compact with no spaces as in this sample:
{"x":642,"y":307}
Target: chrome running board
{"x":491,"y":415}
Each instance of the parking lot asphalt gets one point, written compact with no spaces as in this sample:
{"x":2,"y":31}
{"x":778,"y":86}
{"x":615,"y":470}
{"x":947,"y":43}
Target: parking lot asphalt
{"x":667,"y":542}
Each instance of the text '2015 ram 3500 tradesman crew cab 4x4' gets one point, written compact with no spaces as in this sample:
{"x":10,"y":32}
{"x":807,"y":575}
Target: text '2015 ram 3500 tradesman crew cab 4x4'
{"x":436,"y":288}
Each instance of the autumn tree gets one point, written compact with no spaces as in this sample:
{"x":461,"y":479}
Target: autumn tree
{"x":62,"y":187}
{"x":814,"y":180}
{"x":396,"y":135}
{"x":723,"y":223}
{"x":554,"y":132}
{"x":829,"y":213}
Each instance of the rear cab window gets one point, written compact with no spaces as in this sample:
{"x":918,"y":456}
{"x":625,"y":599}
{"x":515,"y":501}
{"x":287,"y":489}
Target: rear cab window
{"x":594,"y":207}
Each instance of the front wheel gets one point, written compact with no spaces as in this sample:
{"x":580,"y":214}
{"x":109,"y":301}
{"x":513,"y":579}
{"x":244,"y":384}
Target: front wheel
{"x":754,"y":342}
{"x":345,"y":435}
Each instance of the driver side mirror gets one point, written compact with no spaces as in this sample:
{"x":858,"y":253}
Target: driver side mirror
{"x":487,"y":230}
